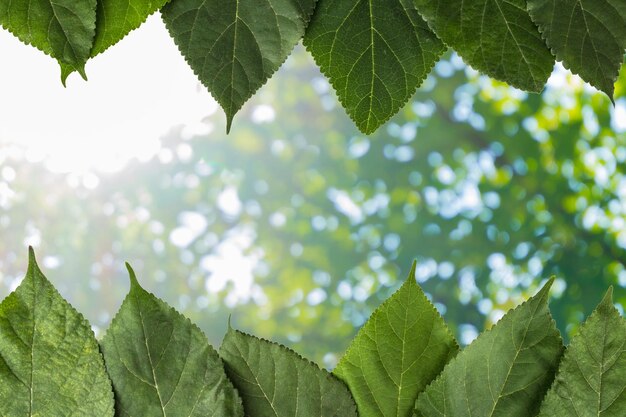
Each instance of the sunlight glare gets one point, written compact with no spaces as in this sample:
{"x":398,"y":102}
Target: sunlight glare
{"x":137,"y":92}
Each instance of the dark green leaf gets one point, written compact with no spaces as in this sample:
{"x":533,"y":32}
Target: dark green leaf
{"x":505,"y":371}
{"x":50,"y":364}
{"x":162,"y":365}
{"x":275,"y":381}
{"x":592,"y":375}
{"x":235,"y":46}
{"x":589,"y":36}
{"x":114,"y":20}
{"x":375,"y":53}
{"x":63,"y":29}
{"x":112,"y":26}
{"x":403,"y":346}
{"x":496,"y":37}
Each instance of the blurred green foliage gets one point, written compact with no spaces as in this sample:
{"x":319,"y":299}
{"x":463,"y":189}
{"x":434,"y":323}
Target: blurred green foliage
{"x":300,"y":226}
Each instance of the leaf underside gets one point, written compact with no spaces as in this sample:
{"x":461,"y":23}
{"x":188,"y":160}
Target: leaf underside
{"x":505,"y":372}
{"x":496,"y":37}
{"x":592,"y":375}
{"x":63,"y":29}
{"x":274,"y":381}
{"x":50,"y":363}
{"x":375,"y":54}
{"x":588,"y":36}
{"x":162,"y":365}
{"x":403,"y":346}
{"x":234,"y":46}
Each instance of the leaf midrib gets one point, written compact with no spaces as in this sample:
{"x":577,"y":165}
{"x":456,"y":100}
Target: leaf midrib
{"x":517,"y":44}
{"x":154,"y":378}
{"x":588,"y":35}
{"x":517,"y":352}
{"x":406,"y":319}
{"x":32,"y":343}
{"x":371,"y":97}
{"x":232,"y":64}
{"x":604,"y":324}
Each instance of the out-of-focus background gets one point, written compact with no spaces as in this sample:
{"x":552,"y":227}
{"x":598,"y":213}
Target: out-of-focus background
{"x":297,"y":224}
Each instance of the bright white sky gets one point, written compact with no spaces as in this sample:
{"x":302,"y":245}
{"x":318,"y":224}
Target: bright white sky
{"x":137,"y":91}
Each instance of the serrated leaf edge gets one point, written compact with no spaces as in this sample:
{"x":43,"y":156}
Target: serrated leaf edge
{"x":64,"y":76}
{"x":82,"y":72}
{"x":34,"y":267}
{"x":327,"y":375}
{"x":390,"y":299}
{"x":394,"y":112}
{"x":542,"y":32}
{"x":537,"y":88}
{"x":135,"y":286}
{"x":229,"y":118}
{"x":379,"y":310}
{"x":606,"y":302}
{"x":152,"y":13}
{"x":545,"y":288}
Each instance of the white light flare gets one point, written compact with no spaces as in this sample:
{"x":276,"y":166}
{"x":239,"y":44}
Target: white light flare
{"x":137,"y":91}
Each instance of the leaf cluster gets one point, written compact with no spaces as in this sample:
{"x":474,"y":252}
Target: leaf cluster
{"x":403,"y":362}
{"x":375,"y":53}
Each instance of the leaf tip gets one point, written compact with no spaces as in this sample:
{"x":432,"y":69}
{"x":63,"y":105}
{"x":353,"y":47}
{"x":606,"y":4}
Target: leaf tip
{"x":82,"y":72}
{"x":607,"y":300}
{"x":133,"y":278}
{"x":413,"y":268}
{"x":544,"y":292}
{"x":229,"y":123}
{"x":607,"y":88}
{"x":32,"y":261}
{"x":366,"y":126}
{"x":67,"y":70}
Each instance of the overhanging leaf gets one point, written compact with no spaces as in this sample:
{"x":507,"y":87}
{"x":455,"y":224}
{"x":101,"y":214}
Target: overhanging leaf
{"x":505,"y":371}
{"x":496,"y":37}
{"x":162,"y":365}
{"x":589,"y":36}
{"x":63,"y":29}
{"x":592,"y":375}
{"x":375,"y":54}
{"x":114,"y":20}
{"x":275,"y":381}
{"x":403,"y":346}
{"x":50,"y":364}
{"x":234,"y":46}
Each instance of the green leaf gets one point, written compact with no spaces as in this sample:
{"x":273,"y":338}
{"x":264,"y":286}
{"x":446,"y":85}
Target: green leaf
{"x":50,"y":364}
{"x":505,"y":371}
{"x":496,"y":37}
{"x":114,"y":20}
{"x":589,"y":36}
{"x":235,"y":46}
{"x":63,"y":29}
{"x":161,"y":364}
{"x":112,"y":26}
{"x":275,"y":381}
{"x":592,"y":375}
{"x":403,"y":346}
{"x":375,"y":54}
